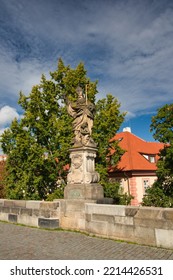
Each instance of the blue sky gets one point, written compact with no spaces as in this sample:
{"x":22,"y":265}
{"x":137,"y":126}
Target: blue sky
{"x":127,"y":45}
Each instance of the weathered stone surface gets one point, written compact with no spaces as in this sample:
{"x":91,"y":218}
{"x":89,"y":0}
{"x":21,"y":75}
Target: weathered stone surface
{"x":28,"y":220}
{"x":44,"y":213}
{"x":72,"y":205}
{"x":115,"y":210}
{"x":8,"y":203}
{"x":121,"y":231}
{"x":3,"y":216}
{"x":88,"y":217}
{"x":145,"y":235}
{"x":35,"y":212}
{"x":19,"y":203}
{"x":12,"y":218}
{"x":123,"y":220}
{"x":103,"y":218}
{"x":150,"y":223}
{"x":144,"y":225}
{"x":82,"y":169}
{"x":72,"y":214}
{"x":82,"y":111}
{"x":97,"y":227}
{"x":6,"y":209}
{"x":33,"y":204}
{"x":48,"y":223}
{"x":15,"y":203}
{"x":164,"y":238}
{"x":131,"y":210}
{"x":15,"y":210}
{"x":26,"y":211}
{"x":2,"y":201}
{"x":148,"y":213}
{"x":49,"y":205}
{"x":74,"y":222}
{"x":54,"y":213}
{"x":83,"y":191}
{"x":167,"y":214}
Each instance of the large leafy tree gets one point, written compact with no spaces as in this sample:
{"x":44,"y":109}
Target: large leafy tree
{"x":108,"y":120}
{"x":161,"y":194}
{"x":38,"y":145}
{"x":2,"y":178}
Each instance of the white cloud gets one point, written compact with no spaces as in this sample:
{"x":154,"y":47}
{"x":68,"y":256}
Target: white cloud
{"x":7,"y":114}
{"x":129,"y":115}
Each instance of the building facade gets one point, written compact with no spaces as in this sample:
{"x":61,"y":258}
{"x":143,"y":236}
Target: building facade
{"x":136,"y":170}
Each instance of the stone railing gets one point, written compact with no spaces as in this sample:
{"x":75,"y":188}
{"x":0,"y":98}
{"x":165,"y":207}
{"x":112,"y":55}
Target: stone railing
{"x":33,"y":213}
{"x":144,"y":225}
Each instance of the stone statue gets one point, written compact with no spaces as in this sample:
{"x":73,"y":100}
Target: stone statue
{"x":82,"y":112}
{"x":82,"y":179}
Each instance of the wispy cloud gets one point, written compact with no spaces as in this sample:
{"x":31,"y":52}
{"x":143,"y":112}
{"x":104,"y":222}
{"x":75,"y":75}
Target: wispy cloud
{"x":7,"y":114}
{"x":126,"y":45}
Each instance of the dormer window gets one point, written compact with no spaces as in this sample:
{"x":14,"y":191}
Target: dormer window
{"x":150,"y":158}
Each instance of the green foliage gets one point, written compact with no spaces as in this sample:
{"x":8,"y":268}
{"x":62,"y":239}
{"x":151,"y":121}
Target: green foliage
{"x":162,"y":124}
{"x":113,"y":190}
{"x":2,"y":178}
{"x":155,"y":196}
{"x":107,"y":121}
{"x":57,"y":194}
{"x":161,"y":193}
{"x":38,"y":145}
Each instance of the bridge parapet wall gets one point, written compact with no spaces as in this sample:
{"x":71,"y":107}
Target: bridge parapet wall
{"x":143,"y":225}
{"x":32,"y":213}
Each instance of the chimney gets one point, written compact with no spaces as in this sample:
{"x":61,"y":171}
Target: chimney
{"x":126,"y":129}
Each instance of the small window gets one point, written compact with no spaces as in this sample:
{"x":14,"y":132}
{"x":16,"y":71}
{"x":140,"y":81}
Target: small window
{"x":145,"y":156}
{"x":150,"y":158}
{"x":146,"y":183}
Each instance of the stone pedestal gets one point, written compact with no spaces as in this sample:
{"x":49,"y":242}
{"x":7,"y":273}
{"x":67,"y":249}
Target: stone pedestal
{"x":82,"y":180}
{"x":83,"y":191}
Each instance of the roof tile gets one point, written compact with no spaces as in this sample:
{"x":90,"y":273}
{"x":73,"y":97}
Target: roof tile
{"x":135,"y":148}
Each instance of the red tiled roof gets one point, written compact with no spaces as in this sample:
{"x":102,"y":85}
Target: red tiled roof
{"x":135,"y":148}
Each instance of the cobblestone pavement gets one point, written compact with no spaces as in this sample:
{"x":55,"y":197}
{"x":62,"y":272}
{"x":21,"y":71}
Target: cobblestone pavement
{"x":23,"y":243}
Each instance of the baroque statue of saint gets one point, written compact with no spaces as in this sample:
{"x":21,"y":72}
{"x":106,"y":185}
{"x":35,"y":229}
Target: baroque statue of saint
{"x":82,"y":111}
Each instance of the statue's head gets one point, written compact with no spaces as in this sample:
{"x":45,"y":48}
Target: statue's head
{"x":79,"y":92}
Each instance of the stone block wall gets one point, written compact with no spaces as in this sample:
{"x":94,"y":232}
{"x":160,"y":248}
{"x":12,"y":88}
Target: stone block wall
{"x":143,"y":225}
{"x":72,"y":213}
{"x":33,"y":213}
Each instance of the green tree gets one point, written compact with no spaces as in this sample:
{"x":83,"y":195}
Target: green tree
{"x":161,"y":193}
{"x":107,"y":122}
{"x":2,"y":178}
{"x":38,"y":145}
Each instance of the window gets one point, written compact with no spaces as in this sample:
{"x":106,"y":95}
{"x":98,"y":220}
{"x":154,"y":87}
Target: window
{"x":146,"y":183}
{"x":150,"y":158}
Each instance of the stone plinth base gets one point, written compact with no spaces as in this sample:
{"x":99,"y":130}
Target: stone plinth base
{"x":83,"y":191}
{"x":72,"y":214}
